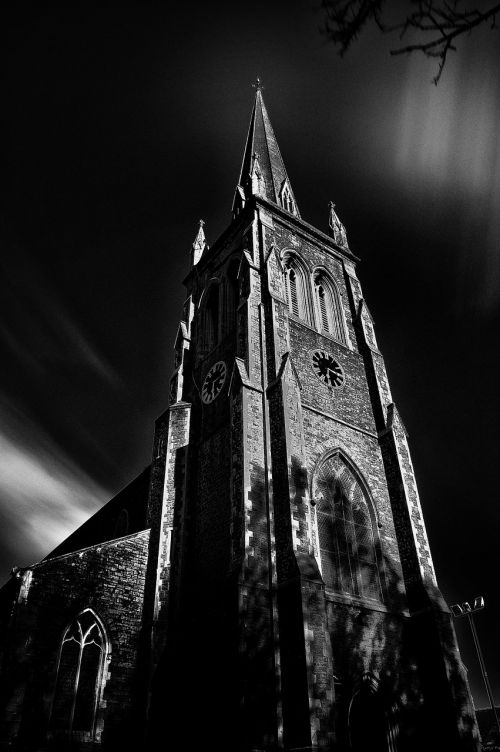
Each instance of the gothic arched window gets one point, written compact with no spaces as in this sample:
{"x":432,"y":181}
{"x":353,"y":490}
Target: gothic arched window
{"x":347,"y":543}
{"x":329,"y":308}
{"x":296,"y":289}
{"x":286,"y":197}
{"x":209,"y":335}
{"x":232,"y":296}
{"x":79,"y":675}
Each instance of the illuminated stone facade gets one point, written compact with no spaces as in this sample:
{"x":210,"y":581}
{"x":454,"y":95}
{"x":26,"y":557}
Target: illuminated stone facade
{"x":267,"y":584}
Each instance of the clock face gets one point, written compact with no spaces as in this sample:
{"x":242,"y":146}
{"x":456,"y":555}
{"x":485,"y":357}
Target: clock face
{"x":327,"y":369}
{"x":214,"y":381}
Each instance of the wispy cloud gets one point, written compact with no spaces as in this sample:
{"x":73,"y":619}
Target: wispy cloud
{"x":40,"y":329}
{"x":448,"y":143}
{"x":66,"y":330}
{"x":44,"y":495}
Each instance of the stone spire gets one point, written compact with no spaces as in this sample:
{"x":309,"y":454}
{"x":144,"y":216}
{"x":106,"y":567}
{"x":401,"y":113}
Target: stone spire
{"x":263,"y":171}
{"x":199,"y":244}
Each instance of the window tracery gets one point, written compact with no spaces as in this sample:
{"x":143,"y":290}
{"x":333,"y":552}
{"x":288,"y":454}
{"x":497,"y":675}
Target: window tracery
{"x":287,"y":201}
{"x":347,"y":542}
{"x":79,"y":675}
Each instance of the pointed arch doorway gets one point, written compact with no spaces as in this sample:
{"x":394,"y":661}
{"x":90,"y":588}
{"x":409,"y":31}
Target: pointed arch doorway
{"x":370,"y":727}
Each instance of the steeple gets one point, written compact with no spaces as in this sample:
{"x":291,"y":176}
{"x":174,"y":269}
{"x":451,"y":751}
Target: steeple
{"x":263,"y":171}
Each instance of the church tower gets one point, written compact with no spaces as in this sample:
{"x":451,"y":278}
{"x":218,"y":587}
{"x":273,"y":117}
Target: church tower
{"x":290,"y":583}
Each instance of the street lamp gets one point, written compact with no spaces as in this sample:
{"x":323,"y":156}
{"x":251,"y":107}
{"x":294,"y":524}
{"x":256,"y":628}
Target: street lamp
{"x":465,"y":609}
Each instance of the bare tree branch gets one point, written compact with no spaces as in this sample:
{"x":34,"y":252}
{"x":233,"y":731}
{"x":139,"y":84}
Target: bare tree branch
{"x":435,"y":23}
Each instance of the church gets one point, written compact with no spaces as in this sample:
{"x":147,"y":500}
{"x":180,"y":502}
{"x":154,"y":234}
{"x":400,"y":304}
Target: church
{"x":266,"y":583}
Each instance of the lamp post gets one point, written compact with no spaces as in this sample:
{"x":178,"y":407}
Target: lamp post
{"x":465,"y":609}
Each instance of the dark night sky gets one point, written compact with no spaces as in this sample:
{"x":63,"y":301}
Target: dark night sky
{"x":124,"y":127}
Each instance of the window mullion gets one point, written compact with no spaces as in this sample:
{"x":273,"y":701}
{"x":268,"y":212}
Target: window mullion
{"x":75,"y":691}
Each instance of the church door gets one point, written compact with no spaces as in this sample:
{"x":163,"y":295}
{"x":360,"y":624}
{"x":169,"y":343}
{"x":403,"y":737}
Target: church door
{"x":368,"y":726}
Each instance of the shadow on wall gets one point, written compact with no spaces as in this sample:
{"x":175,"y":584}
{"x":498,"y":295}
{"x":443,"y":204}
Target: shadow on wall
{"x":217,"y":676}
{"x":219,"y":681}
{"x":399,"y":682}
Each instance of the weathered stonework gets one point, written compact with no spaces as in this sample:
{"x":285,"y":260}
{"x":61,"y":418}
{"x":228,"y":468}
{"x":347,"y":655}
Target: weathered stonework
{"x":109,"y":578}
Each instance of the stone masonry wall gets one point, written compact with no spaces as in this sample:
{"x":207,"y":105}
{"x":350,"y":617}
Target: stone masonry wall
{"x":108,"y":578}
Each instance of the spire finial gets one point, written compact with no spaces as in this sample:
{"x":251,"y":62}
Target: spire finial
{"x":336,"y":226}
{"x":199,"y":245}
{"x":257,"y":85}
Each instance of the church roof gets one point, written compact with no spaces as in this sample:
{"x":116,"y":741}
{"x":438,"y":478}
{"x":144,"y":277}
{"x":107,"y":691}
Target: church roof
{"x":263,"y":158}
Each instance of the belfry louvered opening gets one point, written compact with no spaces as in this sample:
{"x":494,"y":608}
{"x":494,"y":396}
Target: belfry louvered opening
{"x":297,"y":289}
{"x":294,"y":296}
{"x":329,"y":308}
{"x":231,"y":288}
{"x":209,"y":319}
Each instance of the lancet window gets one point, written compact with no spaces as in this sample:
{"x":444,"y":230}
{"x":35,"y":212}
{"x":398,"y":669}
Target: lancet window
{"x":210,"y":319}
{"x":232,"y":296}
{"x":287,"y":201}
{"x":347,"y":541}
{"x":79,"y":675}
{"x":296,"y":289}
{"x":329,"y":308}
